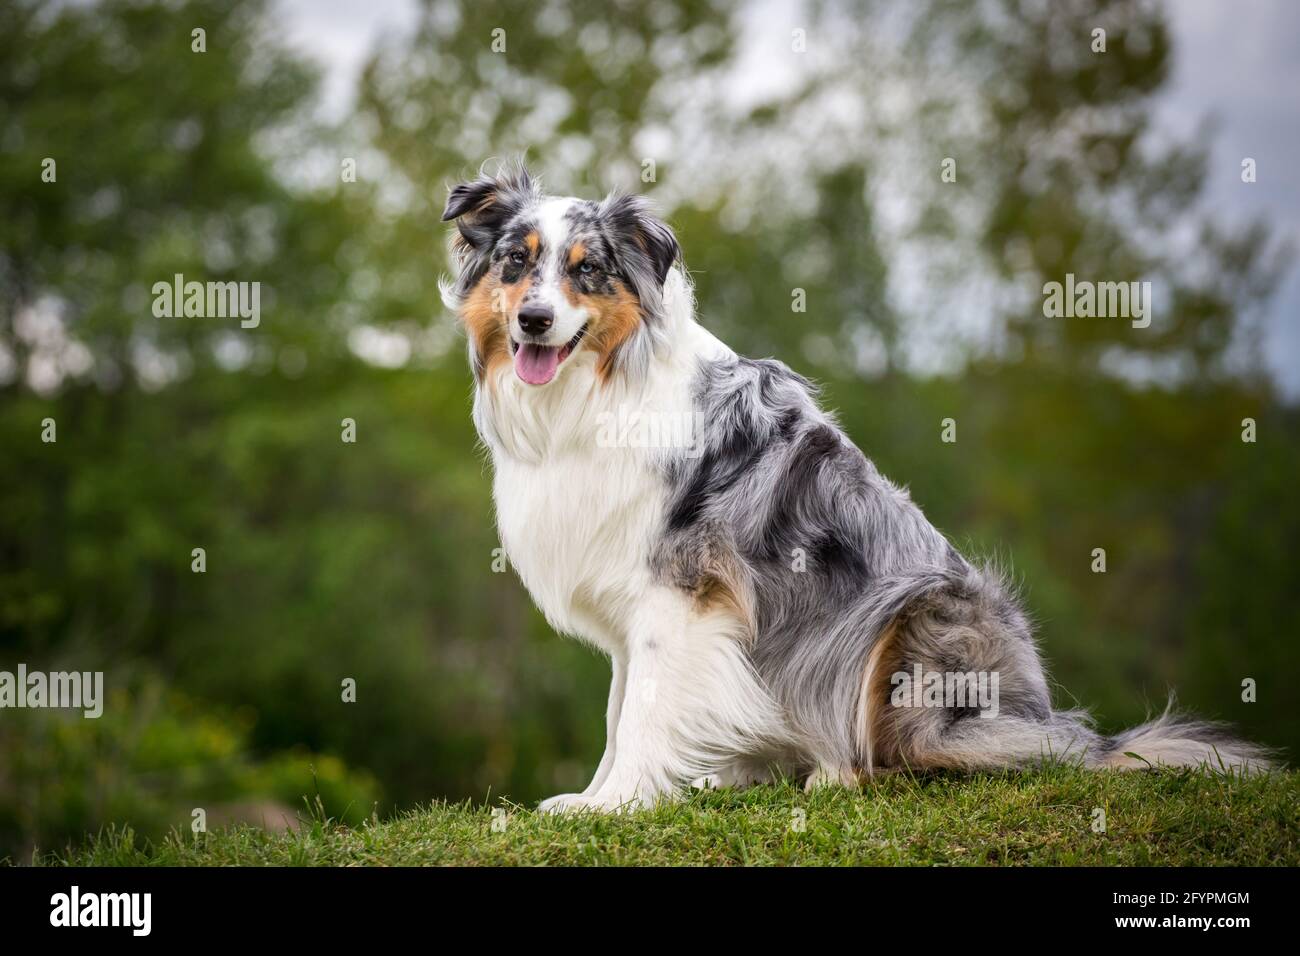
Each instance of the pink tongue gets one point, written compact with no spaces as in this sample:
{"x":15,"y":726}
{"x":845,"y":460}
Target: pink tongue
{"x":536,"y":364}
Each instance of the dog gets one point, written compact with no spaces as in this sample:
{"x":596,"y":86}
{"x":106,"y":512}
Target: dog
{"x":763,"y":593}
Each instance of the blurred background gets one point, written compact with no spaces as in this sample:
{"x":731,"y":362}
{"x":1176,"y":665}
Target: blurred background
{"x":784,"y":160}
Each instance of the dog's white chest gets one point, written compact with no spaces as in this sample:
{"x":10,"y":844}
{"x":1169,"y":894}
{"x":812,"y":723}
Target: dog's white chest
{"x":578,"y":529}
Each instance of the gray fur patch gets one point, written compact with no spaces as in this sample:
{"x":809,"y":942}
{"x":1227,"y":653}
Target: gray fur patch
{"x":830,"y":556}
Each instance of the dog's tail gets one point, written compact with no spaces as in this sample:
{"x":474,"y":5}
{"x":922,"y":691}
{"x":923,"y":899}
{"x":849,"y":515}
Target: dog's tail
{"x":1011,"y":741}
{"x":965,"y":620}
{"x":1173,"y":740}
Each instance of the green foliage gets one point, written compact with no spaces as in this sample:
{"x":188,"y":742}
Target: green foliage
{"x":152,"y":758}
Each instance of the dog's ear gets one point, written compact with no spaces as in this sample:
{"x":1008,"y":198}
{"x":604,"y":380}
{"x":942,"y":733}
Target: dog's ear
{"x":481,"y":209}
{"x":466,"y":196}
{"x":647,"y":247}
{"x":483,"y":206}
{"x":660,"y":244}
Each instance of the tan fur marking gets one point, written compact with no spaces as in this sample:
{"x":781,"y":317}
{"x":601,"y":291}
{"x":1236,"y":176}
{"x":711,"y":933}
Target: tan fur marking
{"x":533,"y":241}
{"x":876,"y":736}
{"x":577,"y":252}
{"x":486,"y":323}
{"x":722,"y":589}
{"x":715,"y":583}
{"x":613,"y":319}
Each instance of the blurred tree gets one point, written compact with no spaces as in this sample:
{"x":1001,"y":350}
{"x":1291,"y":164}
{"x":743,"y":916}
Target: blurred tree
{"x":164,"y":164}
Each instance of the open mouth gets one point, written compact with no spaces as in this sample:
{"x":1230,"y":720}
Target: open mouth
{"x":537,"y":364}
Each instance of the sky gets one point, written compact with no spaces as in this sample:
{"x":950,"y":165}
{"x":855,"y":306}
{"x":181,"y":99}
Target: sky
{"x":1236,"y":62}
{"x":1239,"y":61}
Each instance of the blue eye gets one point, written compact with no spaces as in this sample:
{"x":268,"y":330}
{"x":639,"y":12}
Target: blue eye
{"x":586,"y":268}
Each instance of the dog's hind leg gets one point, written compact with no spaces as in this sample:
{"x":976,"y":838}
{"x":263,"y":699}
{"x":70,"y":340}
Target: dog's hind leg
{"x":957,"y":683}
{"x":739,"y":773}
{"x":828,"y":774}
{"x":973,"y":637}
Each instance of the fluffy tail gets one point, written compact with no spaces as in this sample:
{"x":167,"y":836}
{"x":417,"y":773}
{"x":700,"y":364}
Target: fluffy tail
{"x":1008,"y":741}
{"x":1174,"y":741}
{"x":967,"y":624}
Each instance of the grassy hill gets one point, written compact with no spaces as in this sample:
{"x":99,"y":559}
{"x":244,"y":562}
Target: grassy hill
{"x":1048,"y":817}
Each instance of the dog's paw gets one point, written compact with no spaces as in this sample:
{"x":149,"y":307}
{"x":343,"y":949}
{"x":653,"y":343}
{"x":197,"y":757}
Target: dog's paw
{"x":827,"y":776}
{"x":575,"y":803}
{"x":593,"y":803}
{"x":561,"y":803}
{"x":738,"y":775}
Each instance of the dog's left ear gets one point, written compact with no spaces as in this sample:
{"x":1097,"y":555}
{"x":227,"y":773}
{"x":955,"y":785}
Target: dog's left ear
{"x":647,"y":247}
{"x":660,"y":244}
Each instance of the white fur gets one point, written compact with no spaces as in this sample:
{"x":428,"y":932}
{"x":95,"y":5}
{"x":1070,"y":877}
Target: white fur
{"x":577,"y":521}
{"x":547,"y":289}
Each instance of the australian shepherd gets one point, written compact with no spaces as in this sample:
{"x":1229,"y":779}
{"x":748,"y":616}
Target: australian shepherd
{"x":769,"y":602}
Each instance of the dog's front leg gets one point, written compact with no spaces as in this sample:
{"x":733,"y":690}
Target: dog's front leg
{"x":617,"y":683}
{"x":644,"y":747}
{"x":617,"y":688}
{"x":691,"y":704}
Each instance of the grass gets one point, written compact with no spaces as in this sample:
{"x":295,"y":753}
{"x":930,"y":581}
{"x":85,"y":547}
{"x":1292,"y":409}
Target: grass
{"x":1041,"y":818}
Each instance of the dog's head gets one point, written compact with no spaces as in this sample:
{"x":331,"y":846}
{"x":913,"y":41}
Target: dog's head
{"x":540,"y":278}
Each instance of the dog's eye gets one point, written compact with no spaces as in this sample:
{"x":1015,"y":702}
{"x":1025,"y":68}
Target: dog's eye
{"x":586,"y":268}
{"x":518,"y":257}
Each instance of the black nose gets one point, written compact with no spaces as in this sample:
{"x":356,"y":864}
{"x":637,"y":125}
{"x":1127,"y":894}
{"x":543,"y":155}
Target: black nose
{"x":535,"y":319}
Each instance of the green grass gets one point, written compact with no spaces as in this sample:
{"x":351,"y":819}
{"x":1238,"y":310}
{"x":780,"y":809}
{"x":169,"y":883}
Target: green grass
{"x":1040,"y":818}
